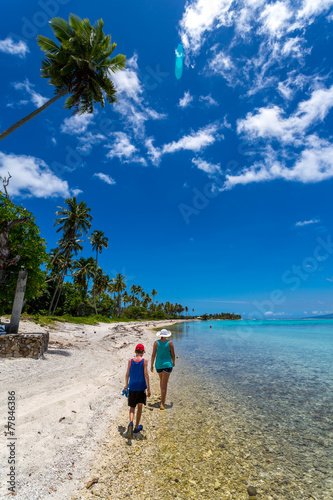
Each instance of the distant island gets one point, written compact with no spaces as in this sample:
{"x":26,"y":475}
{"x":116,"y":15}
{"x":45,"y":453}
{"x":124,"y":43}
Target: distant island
{"x":222,"y":315}
{"x":323,"y":316}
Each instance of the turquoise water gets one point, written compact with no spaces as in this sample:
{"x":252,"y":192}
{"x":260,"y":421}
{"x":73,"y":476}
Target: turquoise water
{"x":278,"y":374}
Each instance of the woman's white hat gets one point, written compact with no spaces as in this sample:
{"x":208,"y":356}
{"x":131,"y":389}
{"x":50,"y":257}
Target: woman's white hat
{"x":163,"y":333}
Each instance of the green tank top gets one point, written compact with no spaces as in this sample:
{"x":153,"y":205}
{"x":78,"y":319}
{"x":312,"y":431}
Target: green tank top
{"x":163,"y":355}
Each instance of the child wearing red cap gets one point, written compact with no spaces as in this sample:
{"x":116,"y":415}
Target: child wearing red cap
{"x":137,"y":381}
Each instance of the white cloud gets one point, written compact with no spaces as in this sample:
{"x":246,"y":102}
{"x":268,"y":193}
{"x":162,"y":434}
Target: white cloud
{"x":270,"y":123}
{"x":105,"y":178}
{"x":31,"y":177}
{"x":311,"y":8}
{"x":8,"y":46}
{"x":123,"y":149}
{"x":154,"y":153}
{"x":185,"y":100}
{"x":196,"y":141}
{"x":271,"y":313}
{"x":201,"y":16}
{"x":306,"y":222}
{"x":330,"y":279}
{"x":37,"y":99}
{"x":131,"y":103}
{"x":76,"y":192}
{"x":275,"y":18}
{"x":209,"y":168}
{"x":127,"y":81}
{"x":222,"y":64}
{"x":313,"y":164}
{"x":208,"y":100}
{"x":88,"y":140}
{"x":77,"y":124}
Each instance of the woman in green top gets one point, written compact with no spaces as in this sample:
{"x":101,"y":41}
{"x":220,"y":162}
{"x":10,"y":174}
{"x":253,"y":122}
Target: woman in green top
{"x":164,"y":353}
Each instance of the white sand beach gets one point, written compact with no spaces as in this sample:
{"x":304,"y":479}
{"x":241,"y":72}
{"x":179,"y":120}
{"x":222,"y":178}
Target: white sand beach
{"x":66,"y":402}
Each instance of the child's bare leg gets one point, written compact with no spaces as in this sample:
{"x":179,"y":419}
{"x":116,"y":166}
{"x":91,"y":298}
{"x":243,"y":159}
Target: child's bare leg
{"x":131,"y":414}
{"x":164,"y":386}
{"x":138,"y":414}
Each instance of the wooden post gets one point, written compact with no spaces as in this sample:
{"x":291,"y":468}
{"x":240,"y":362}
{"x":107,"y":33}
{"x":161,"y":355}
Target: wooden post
{"x":18,"y":302}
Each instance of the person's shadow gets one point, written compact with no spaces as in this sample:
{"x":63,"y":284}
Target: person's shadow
{"x":123,"y":431}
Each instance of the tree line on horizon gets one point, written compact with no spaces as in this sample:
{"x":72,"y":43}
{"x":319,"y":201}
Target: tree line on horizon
{"x":63,"y":282}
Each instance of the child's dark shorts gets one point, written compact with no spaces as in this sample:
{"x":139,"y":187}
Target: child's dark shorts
{"x":136,"y":397}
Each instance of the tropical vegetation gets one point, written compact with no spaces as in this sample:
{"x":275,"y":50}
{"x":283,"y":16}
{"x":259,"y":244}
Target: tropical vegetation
{"x":63,"y":281}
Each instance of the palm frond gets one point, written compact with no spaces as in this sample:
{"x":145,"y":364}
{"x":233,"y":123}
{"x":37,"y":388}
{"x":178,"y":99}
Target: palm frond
{"x":47,"y":45}
{"x":61,"y":29}
{"x":118,"y":63}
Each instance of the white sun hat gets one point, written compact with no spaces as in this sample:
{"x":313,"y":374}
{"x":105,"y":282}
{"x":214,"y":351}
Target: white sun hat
{"x":163,"y":333}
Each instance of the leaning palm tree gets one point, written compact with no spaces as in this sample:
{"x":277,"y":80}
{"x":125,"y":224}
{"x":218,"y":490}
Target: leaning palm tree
{"x":98,"y":241}
{"x":78,"y":66}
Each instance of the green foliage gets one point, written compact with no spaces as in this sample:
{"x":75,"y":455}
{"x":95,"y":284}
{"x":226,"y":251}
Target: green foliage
{"x":25,"y":241}
{"x":135,"y":312}
{"x":80,"y":65}
{"x":222,"y":315}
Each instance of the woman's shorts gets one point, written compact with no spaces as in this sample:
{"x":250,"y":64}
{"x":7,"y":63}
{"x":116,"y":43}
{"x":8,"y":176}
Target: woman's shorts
{"x":167,"y":370}
{"x":136,"y":397}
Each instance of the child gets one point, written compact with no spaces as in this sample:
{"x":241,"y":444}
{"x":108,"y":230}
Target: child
{"x":137,"y":381}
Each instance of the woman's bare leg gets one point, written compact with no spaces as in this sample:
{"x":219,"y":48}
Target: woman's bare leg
{"x":164,"y":379}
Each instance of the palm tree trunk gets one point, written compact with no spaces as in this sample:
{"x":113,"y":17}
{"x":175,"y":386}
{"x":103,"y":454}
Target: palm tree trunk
{"x":32,"y":115}
{"x":94,"y":292}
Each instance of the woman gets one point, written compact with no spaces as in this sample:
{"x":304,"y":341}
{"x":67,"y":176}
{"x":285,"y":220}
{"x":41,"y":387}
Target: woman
{"x":164,"y":353}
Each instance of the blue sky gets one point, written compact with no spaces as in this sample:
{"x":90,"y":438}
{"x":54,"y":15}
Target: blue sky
{"x":214,"y":189}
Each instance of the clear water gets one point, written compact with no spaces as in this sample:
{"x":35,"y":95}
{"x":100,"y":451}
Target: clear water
{"x":272,"y":379}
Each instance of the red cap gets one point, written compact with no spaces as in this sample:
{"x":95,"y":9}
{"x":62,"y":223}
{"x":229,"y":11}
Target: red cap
{"x":140,"y":347}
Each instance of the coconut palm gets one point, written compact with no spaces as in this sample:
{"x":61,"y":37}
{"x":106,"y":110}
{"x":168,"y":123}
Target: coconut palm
{"x":119,"y":286}
{"x":98,"y":241}
{"x":79,"y":66}
{"x":84,"y":269}
{"x":73,"y":221}
{"x":153,"y":293}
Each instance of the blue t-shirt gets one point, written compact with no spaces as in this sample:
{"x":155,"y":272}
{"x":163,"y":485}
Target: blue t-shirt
{"x":163,"y":355}
{"x":137,"y":381}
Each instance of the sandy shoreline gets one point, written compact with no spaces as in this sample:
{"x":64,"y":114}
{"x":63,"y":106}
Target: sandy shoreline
{"x":66,"y":403}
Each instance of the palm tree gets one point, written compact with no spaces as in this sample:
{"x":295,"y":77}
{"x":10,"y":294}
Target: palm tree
{"x":154,"y":293}
{"x":64,"y":254}
{"x":73,"y":221}
{"x":84,"y":269}
{"x":119,"y":286}
{"x":186,"y":310}
{"x":79,"y":66}
{"x":98,"y":241}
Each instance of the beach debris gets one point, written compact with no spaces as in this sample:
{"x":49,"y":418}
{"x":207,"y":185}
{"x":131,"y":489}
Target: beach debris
{"x":61,"y":419}
{"x":70,"y":475}
{"x":252,"y":491}
{"x":93,"y":481}
{"x":217,"y":485}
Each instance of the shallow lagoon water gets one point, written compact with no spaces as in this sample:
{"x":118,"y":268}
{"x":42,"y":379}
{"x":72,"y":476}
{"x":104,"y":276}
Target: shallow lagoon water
{"x":248,"y":404}
{"x":271,"y":380}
